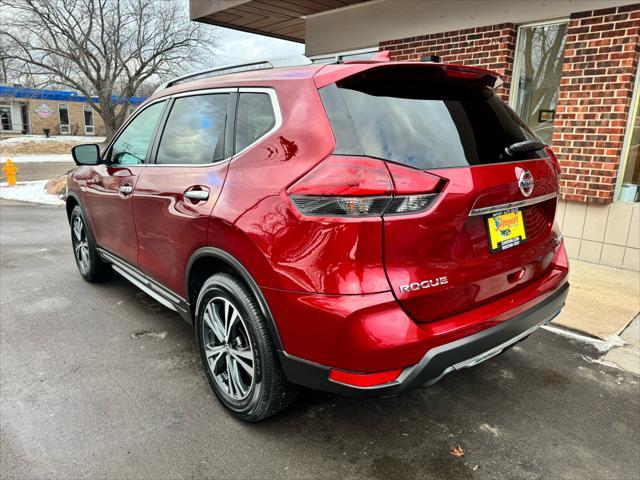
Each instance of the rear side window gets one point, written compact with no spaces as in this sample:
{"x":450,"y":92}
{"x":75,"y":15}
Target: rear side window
{"x":194,"y":132}
{"x":255,"y":117}
{"x":421,"y":119}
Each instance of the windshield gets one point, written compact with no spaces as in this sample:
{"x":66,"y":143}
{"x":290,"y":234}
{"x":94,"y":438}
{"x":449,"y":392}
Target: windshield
{"x":422,"y":120}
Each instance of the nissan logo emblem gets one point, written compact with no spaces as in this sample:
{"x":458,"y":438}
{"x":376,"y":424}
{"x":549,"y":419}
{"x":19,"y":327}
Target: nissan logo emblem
{"x":525,"y":182}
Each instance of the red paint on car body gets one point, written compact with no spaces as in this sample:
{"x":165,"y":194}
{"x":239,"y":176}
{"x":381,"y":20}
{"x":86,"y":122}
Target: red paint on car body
{"x":331,"y":282}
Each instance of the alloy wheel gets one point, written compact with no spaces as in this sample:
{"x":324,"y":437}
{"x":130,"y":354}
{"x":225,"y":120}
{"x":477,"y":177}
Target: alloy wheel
{"x":81,"y":245}
{"x":227,"y":348}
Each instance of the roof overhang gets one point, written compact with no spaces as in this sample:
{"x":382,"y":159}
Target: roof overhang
{"x":275,"y":18}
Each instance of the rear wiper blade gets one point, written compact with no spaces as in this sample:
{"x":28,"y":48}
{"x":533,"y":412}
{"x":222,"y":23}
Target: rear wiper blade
{"x":526,"y":146}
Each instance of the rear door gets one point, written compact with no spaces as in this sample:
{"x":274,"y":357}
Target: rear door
{"x":109,"y":187}
{"x":176,"y":193}
{"x":442,"y":261}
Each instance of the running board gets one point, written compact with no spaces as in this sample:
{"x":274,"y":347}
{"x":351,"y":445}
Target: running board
{"x":159,"y":298}
{"x":152,"y":288}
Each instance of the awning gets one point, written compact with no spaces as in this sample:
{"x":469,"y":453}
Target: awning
{"x":275,"y":18}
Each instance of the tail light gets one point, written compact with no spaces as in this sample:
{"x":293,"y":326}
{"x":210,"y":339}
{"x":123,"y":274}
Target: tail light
{"x":363,"y":187}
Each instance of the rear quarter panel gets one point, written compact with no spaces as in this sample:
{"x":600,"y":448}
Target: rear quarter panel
{"x":255,"y":221}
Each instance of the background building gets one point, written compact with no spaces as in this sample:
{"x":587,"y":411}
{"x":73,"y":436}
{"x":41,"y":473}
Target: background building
{"x":31,"y":110}
{"x":570,"y":69}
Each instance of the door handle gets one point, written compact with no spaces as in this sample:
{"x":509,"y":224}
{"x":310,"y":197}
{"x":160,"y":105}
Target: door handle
{"x":125,"y":189}
{"x":197,"y":195}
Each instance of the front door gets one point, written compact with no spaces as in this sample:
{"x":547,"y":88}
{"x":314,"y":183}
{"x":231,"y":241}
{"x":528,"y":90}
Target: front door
{"x":175,"y":195}
{"x":110,"y":185}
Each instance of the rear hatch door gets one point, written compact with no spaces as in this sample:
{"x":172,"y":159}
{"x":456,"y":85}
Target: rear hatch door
{"x":451,"y":124}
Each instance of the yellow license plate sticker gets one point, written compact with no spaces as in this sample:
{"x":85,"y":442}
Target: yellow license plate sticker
{"x":506,"y":229}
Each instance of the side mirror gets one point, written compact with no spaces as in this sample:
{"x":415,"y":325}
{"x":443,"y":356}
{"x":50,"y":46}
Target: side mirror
{"x":86,"y":154}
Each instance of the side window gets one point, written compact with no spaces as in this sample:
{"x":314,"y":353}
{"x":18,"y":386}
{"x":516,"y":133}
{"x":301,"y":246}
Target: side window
{"x":194,"y":132}
{"x":255,"y":117}
{"x":130,"y":148}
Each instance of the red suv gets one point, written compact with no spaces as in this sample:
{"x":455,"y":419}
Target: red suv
{"x":358,"y":228}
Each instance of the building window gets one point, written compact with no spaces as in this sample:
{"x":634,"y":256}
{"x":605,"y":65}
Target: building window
{"x":63,"y":111}
{"x":537,"y":72}
{"x":88,"y":120}
{"x":24,"y":117}
{"x":5,"y":117}
{"x":339,"y":57}
{"x":630,"y":165}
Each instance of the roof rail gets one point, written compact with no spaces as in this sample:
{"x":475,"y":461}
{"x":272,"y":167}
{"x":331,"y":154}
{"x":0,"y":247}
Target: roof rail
{"x":293,"y":61}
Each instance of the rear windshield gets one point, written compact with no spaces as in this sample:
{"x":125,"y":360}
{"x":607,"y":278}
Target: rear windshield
{"x":421,"y":119}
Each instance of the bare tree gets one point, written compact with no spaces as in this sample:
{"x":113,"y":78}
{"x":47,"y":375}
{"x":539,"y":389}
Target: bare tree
{"x":109,"y":50}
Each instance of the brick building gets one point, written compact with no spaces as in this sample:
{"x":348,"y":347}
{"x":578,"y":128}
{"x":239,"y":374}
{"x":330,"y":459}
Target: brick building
{"x":31,"y":110}
{"x":570,"y":70}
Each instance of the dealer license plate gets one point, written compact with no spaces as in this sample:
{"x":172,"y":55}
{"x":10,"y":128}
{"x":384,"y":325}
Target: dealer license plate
{"x":506,"y":229}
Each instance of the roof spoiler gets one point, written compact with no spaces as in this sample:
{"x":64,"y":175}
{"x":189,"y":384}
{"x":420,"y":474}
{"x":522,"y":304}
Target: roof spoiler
{"x":326,"y":76}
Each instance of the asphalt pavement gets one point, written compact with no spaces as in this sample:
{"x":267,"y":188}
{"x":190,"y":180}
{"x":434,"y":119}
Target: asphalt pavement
{"x":30,"y":171}
{"x":100,"y":381}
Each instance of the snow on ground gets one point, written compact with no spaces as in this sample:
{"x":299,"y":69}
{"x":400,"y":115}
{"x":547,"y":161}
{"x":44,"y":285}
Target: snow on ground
{"x":37,"y":158}
{"x":32,"y":192}
{"x":58,"y":138}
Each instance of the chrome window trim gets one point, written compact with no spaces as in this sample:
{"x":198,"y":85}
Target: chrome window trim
{"x":194,"y":93}
{"x":507,"y":206}
{"x":274,"y":104}
{"x":167,"y":98}
{"x":207,"y":91}
{"x":191,"y":93}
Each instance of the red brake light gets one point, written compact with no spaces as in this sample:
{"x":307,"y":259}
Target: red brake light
{"x":409,"y":180}
{"x":343,"y":186}
{"x":364,"y":379}
{"x":473,"y":73}
{"x":352,"y":176}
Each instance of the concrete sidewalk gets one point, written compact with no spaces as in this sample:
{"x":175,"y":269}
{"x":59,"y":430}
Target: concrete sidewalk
{"x":603,"y":303}
{"x":602,"y":300}
{"x":627,"y":356}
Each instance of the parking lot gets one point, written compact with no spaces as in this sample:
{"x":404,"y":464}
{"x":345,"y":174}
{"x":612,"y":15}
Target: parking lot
{"x":100,"y":381}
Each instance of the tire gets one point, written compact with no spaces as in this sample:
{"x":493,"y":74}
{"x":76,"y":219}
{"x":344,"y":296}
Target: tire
{"x":230,"y":354}
{"x":88,"y":260}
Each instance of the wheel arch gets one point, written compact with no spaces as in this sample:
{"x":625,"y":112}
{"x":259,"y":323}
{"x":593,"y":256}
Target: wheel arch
{"x":72,"y":202}
{"x":207,"y":261}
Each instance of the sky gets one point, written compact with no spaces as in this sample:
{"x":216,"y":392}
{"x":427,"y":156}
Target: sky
{"x":236,"y":46}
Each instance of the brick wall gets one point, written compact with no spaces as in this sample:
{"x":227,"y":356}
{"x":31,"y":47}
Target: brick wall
{"x":76,"y":118}
{"x":491,"y":47}
{"x":601,"y":59}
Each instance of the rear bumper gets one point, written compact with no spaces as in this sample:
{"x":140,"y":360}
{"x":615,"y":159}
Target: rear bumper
{"x":438,"y":361}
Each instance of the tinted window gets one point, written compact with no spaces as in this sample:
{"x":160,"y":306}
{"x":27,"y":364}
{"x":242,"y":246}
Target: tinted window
{"x":131,"y":146}
{"x":421,"y":120}
{"x":255,"y":117}
{"x":194,"y":132}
